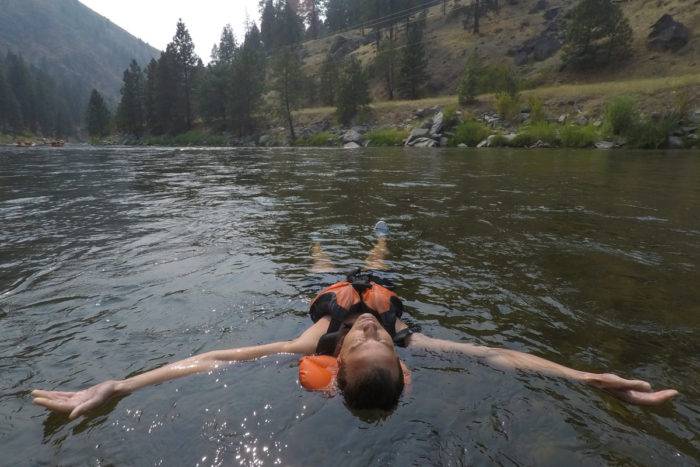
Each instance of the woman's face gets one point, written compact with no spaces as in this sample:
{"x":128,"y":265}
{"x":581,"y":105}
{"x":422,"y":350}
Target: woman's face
{"x":367,"y":344}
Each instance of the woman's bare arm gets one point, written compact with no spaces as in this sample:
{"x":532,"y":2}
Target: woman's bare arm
{"x":77,"y":403}
{"x":632,"y":391}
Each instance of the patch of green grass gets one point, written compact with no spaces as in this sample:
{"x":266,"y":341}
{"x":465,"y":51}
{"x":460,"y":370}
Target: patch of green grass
{"x":651,"y":134}
{"x":578,"y":136}
{"x":470,"y":132}
{"x":387,"y":137}
{"x":318,"y":140}
{"x":537,"y":131}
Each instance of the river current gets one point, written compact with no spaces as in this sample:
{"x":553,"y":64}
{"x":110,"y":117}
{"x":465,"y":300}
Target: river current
{"x":117,"y":261}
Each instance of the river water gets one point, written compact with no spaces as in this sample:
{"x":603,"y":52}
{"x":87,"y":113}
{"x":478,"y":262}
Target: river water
{"x":116,"y":261}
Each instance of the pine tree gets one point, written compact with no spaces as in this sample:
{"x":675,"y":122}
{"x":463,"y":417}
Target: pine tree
{"x":337,"y":15}
{"x":185,"y":67}
{"x":471,"y":79}
{"x":226,"y":50}
{"x":131,"y":112}
{"x":353,"y":91}
{"x":151,"y":98}
{"x":20,"y":82}
{"x":288,"y":84}
{"x":97,"y":116}
{"x":268,"y":22}
{"x":413,"y":74}
{"x":597,"y":34}
{"x":385,"y":65}
{"x":328,"y":80}
{"x":290,"y":26}
{"x":247,"y":83}
{"x":310,"y":10}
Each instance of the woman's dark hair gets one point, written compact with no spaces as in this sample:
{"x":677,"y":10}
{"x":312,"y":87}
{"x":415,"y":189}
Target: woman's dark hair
{"x":374,"y":388}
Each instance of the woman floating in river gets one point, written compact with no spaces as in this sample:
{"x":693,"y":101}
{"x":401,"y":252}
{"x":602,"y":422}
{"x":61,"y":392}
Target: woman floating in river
{"x":351,"y":347}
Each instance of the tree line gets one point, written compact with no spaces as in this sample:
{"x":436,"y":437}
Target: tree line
{"x":32,"y":101}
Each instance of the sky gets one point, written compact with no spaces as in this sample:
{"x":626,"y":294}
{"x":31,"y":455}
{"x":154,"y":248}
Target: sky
{"x":154,"y":20}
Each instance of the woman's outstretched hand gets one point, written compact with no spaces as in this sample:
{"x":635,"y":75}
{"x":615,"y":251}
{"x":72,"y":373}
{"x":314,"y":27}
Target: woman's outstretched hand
{"x":632,"y":391}
{"x":77,"y":403}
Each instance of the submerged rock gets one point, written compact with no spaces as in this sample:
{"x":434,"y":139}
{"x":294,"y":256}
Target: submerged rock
{"x":675,"y":142}
{"x":668,"y":34}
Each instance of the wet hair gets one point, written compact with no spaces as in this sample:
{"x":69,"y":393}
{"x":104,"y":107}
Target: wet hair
{"x":375,"y":388}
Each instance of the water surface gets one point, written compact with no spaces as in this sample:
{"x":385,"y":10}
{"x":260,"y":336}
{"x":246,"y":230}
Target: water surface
{"x":117,"y":261}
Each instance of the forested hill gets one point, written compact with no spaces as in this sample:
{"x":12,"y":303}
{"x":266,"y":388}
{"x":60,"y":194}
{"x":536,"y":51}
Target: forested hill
{"x":70,"y":42}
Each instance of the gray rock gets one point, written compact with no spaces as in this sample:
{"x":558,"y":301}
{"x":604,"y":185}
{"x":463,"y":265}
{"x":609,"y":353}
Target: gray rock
{"x":510,"y":137}
{"x":462,"y":145}
{"x":675,"y":142}
{"x":668,"y":34}
{"x":438,"y":124}
{"x":689,"y":129}
{"x":552,"y":14}
{"x":598,"y":123}
{"x":562,"y":118}
{"x":581,"y":120}
{"x":492,"y":120}
{"x":416,"y":133}
{"x":351,"y":145}
{"x":352,"y":136}
{"x":695,"y":116}
{"x":484,"y":144}
{"x":265,"y":140}
{"x":444,"y":142}
{"x":342,"y":46}
{"x":424,"y":143}
{"x":604,"y":145}
{"x":540,"y":144}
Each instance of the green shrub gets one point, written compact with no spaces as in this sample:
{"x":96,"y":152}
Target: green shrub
{"x":650,"y":134}
{"x":621,"y":115}
{"x":387,"y":137}
{"x":537,"y":131}
{"x":500,"y":79}
{"x":451,"y":119}
{"x":508,"y":106}
{"x":578,"y":136}
{"x":536,"y":109}
{"x":322,"y":139}
{"x":470,"y":132}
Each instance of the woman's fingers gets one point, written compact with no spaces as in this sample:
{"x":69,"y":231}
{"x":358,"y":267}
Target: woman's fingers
{"x":55,"y":405}
{"x":645,"y":398}
{"x":84,"y":407}
{"x":52,"y":394}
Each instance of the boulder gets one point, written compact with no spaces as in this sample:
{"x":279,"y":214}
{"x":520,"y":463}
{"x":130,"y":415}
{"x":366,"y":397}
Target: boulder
{"x":438,"y":124}
{"x":352,"y":136}
{"x":695,"y":116}
{"x":675,"y":142}
{"x":562,"y":118}
{"x":342,"y":46}
{"x":540,"y":144}
{"x":351,"y":145}
{"x":424,"y":143}
{"x":444,"y":142}
{"x":552,"y":14}
{"x":604,"y":145}
{"x":539,"y":48}
{"x":265,"y":140}
{"x":417,"y":133}
{"x":462,"y":145}
{"x":541,"y":5}
{"x":581,"y":120}
{"x":668,"y":34}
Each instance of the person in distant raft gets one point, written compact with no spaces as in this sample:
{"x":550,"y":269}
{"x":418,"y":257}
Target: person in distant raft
{"x":351,"y":347}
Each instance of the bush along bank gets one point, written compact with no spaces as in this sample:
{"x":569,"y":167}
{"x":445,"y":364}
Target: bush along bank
{"x":521,"y":125}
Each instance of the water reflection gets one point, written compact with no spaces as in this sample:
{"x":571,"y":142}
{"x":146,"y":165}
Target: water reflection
{"x":116,"y":261}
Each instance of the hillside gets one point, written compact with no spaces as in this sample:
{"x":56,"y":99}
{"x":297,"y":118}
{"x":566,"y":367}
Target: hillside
{"x":72,"y":42}
{"x":504,"y":38}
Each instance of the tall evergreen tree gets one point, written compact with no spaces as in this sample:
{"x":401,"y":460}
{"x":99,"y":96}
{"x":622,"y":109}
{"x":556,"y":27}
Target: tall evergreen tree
{"x":414,"y":74}
{"x":153,"y":124}
{"x":353,"y":91}
{"x":328,"y":80}
{"x":247,"y":85}
{"x":337,"y":15}
{"x":268,"y":23}
{"x":226,"y":50}
{"x":597,"y":34}
{"x":185,"y":67}
{"x":311,"y":12}
{"x":21,"y":83}
{"x":97,"y":116}
{"x":386,"y":66}
{"x":288,"y":84}
{"x":131,"y":112}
